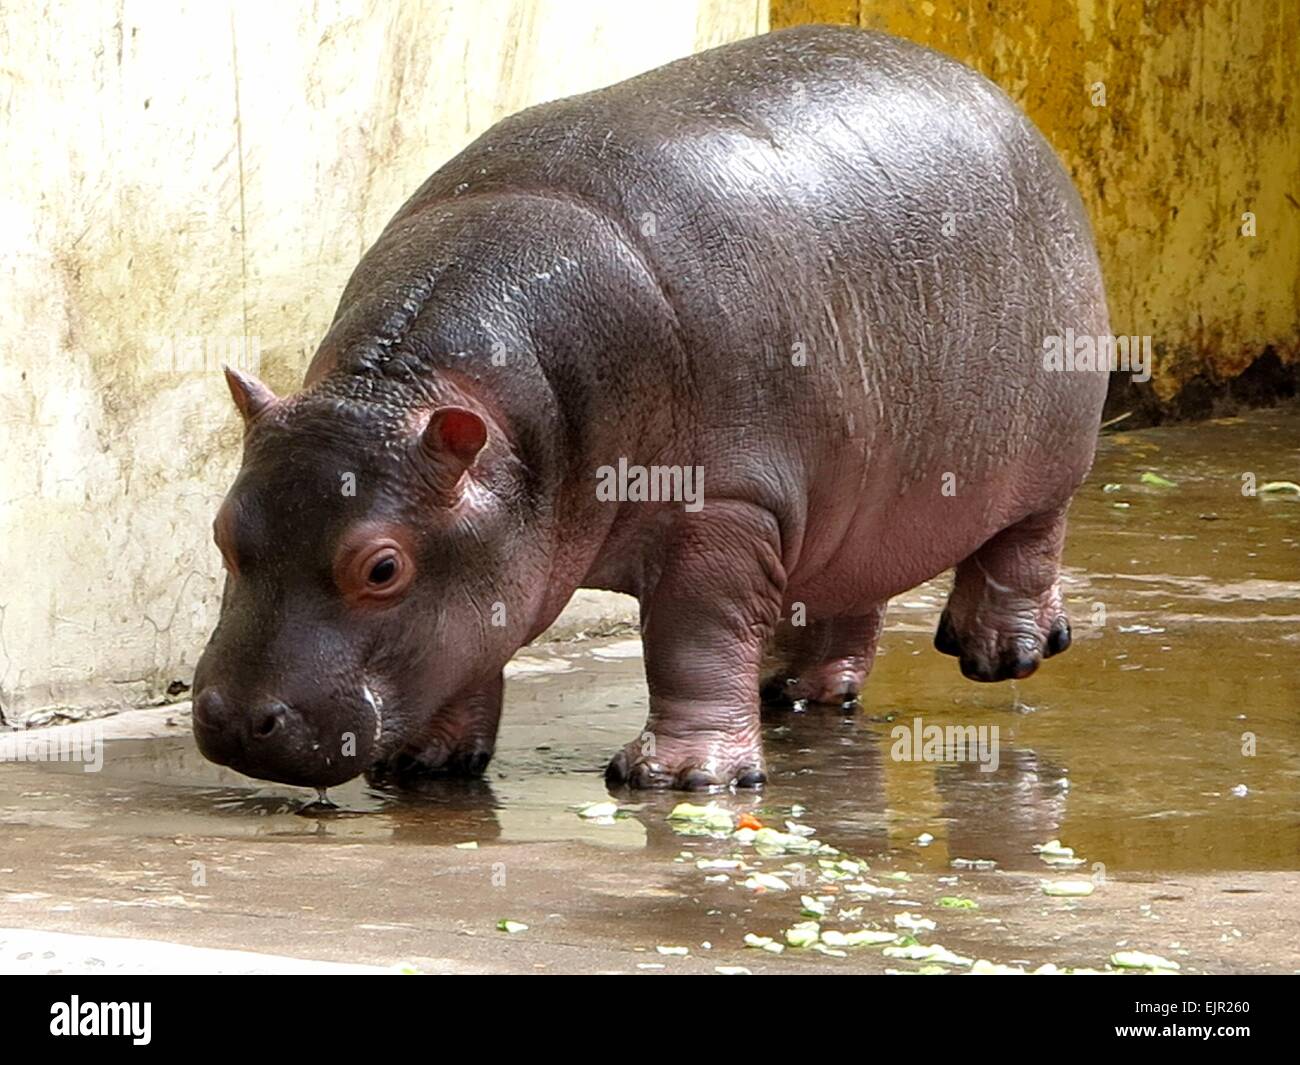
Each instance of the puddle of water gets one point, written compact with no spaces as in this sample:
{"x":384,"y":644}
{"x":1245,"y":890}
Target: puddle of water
{"x":1129,"y":748}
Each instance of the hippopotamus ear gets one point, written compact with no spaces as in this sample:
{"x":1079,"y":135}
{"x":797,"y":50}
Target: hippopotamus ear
{"x":250,"y":395}
{"x":450,"y":443}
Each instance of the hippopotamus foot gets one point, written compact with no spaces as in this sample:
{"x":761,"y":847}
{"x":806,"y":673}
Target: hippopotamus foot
{"x":824,"y":662}
{"x":700,"y":760}
{"x":704,"y":624}
{"x":458,"y":742}
{"x":1005,"y":613}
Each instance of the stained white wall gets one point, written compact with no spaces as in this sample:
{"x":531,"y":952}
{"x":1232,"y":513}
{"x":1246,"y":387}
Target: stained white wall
{"x":184,"y":178}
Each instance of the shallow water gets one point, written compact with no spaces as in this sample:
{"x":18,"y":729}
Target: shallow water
{"x":1129,"y":747}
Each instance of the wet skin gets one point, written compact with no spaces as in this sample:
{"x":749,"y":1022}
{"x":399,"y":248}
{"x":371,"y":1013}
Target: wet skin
{"x":832,"y":301}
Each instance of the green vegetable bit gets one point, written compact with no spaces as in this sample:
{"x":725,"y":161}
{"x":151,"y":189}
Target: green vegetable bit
{"x":932,"y":952}
{"x":711,"y":818}
{"x":812,"y":907}
{"x":766,"y":943}
{"x":1072,"y":889}
{"x":1136,"y":959}
{"x":804,"y":934}
{"x":766,"y":880}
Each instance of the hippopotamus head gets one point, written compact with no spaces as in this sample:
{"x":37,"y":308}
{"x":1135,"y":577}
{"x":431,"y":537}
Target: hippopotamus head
{"x":367,"y":579}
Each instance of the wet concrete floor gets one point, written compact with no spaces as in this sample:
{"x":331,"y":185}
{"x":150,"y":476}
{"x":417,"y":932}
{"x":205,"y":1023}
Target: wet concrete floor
{"x":1163,"y":748}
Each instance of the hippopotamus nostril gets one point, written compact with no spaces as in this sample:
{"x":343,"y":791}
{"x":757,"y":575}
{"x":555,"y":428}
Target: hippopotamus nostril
{"x":215,"y":729}
{"x":269,"y":721}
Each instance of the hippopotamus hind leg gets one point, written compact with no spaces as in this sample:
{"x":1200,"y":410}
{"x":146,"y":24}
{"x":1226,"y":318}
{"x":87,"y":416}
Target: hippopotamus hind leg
{"x":1005,"y":613}
{"x":825,"y":661}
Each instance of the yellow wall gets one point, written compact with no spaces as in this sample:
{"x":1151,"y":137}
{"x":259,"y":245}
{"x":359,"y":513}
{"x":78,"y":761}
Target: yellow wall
{"x":211,"y":171}
{"x":1201,"y":123}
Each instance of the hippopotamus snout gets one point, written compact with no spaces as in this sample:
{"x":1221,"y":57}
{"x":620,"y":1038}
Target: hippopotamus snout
{"x":271,"y":739}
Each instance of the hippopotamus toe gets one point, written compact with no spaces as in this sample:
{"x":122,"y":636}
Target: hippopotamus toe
{"x":1007,"y":667}
{"x":683,"y":773}
{"x":435,"y":760}
{"x":945,"y":639}
{"x":1059,"y":638}
{"x":826,"y":685}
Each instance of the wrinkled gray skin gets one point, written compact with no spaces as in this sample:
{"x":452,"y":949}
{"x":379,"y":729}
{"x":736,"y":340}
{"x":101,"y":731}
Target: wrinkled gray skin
{"x":818,"y":264}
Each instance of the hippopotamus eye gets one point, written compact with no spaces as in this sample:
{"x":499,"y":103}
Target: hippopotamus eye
{"x":383,"y":571}
{"x":373,"y":568}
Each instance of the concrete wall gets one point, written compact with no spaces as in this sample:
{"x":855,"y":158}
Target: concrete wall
{"x":187,"y":182}
{"x":1176,"y":118}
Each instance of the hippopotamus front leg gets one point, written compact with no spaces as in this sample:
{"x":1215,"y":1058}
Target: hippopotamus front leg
{"x":458,"y":741}
{"x":825,"y":661}
{"x":705,"y":619}
{"x":1005,"y":613}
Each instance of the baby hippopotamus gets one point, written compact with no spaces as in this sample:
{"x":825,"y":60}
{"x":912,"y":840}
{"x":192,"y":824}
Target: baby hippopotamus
{"x":757,"y":337}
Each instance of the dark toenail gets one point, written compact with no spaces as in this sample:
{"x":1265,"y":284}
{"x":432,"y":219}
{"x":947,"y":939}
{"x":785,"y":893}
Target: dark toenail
{"x":973,"y":670}
{"x":752,"y":777}
{"x":945,"y":640}
{"x":648,"y":776}
{"x":616,"y":771}
{"x":1058,"y":639}
{"x":697,"y":779}
{"x":475,"y":762}
{"x":1020,"y":668}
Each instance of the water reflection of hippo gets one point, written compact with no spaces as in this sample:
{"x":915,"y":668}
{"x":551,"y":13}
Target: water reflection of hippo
{"x":1003,"y":814}
{"x":814,"y":270}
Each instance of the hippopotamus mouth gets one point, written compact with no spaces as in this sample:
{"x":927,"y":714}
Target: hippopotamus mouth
{"x":277,"y":741}
{"x":274,"y":740}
